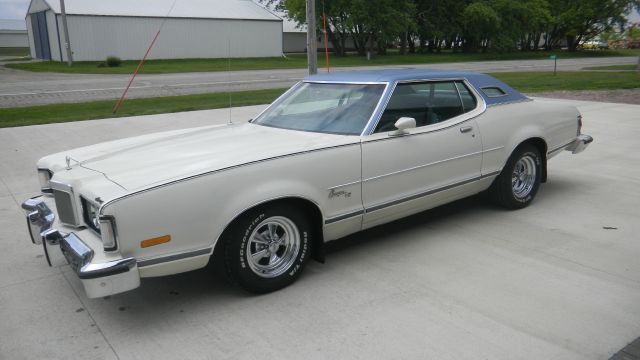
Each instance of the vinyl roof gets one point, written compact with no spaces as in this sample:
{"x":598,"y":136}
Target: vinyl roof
{"x":478,"y":80}
{"x":205,"y":9}
{"x":13,"y":25}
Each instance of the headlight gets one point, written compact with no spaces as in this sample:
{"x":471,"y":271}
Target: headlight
{"x":104,"y":225}
{"x":90,"y":214}
{"x":108,"y":232}
{"x":44,"y":176}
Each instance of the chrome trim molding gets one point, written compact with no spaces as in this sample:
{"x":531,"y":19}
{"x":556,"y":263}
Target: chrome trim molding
{"x":343,"y":185}
{"x":510,"y":102}
{"x":560,"y":147}
{"x":377,"y":114}
{"x":39,"y":218}
{"x":180,"y":256}
{"x":343,"y":217}
{"x":428,"y":192}
{"x":493,"y":149}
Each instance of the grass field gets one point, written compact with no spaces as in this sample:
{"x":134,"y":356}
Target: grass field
{"x":46,"y":114}
{"x":532,"y":82}
{"x":528,"y":82}
{"x":300,"y":61}
{"x":613,"y":67}
{"x":14,"y":51}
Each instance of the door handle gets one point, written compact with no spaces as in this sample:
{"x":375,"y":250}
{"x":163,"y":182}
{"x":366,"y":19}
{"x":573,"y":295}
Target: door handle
{"x":465,"y":129}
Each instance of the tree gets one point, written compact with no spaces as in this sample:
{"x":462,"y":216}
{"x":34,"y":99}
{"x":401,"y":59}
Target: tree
{"x":481,"y":23}
{"x":580,"y":20}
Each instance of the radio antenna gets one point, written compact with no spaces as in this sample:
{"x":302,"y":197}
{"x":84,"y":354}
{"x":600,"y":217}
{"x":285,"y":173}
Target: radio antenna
{"x":229,"y":77}
{"x":144,"y":58}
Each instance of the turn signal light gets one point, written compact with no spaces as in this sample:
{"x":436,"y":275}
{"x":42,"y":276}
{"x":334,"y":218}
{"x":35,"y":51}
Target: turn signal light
{"x":155,"y":241}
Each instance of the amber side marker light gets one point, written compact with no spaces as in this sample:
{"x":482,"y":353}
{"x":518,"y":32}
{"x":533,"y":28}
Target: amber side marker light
{"x":155,"y":241}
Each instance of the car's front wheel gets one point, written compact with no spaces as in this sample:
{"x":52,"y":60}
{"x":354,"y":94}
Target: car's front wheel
{"x":518,"y":183}
{"x":267,"y":248}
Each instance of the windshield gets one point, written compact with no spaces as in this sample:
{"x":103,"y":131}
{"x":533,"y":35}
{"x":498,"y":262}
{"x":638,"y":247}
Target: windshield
{"x":327,"y":108}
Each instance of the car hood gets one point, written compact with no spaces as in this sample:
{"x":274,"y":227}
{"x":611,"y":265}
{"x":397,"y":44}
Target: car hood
{"x":140,"y":162}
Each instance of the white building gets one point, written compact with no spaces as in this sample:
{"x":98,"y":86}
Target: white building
{"x":13,"y":34}
{"x":125,"y":28}
{"x":294,"y":37}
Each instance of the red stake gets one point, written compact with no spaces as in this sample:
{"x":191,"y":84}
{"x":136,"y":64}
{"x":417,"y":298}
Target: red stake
{"x":119,"y":103}
{"x":326,"y":45}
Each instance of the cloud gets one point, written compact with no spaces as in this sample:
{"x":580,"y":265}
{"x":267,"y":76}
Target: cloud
{"x":13,"y":9}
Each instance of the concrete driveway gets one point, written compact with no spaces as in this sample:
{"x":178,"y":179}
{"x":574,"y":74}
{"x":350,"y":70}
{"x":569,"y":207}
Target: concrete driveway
{"x":23,"y":88}
{"x":557,"y":280}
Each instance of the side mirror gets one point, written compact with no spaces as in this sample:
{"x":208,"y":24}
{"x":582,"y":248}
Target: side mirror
{"x":403,"y":124}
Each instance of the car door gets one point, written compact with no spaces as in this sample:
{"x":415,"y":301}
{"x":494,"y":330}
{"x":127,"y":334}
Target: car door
{"x":431,"y":164}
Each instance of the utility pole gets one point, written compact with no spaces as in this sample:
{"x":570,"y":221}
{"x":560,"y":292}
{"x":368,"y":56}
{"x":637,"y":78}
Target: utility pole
{"x":66,"y":34}
{"x":312,"y":41}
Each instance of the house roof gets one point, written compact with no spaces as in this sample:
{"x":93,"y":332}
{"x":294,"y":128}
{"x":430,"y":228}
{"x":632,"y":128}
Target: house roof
{"x":205,"y":9}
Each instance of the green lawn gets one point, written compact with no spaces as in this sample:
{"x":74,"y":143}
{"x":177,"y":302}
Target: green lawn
{"x":613,"y":67}
{"x":532,"y":82}
{"x":528,"y":82}
{"x":300,"y":61}
{"x":14,"y":51}
{"x":46,"y":114}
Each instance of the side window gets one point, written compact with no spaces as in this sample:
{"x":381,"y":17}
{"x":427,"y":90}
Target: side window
{"x":429,"y":103}
{"x":445,"y":103}
{"x":468,"y":100}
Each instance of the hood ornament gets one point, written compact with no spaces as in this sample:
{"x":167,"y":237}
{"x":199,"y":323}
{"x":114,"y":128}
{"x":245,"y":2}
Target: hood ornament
{"x":68,"y":160}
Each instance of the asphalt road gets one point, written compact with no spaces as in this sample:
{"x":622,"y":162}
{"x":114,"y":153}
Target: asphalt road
{"x":21,"y":88}
{"x":557,"y":280}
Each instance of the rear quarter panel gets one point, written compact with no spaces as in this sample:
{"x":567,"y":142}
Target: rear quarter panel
{"x":504,"y":127}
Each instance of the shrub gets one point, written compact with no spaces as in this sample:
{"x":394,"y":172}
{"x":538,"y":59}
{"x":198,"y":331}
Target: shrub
{"x":102,"y":64}
{"x":114,"y":61}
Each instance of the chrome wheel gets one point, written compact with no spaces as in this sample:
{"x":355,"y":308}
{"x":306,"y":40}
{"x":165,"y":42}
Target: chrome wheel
{"x":273,"y":247}
{"x":523,"y":178}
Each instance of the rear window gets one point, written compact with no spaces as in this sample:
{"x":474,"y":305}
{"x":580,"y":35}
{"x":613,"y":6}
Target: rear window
{"x":493,"y":91}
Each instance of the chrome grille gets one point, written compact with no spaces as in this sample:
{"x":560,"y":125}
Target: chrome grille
{"x":64,"y":205}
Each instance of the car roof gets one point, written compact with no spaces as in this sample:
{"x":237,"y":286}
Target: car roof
{"x":479,"y":81}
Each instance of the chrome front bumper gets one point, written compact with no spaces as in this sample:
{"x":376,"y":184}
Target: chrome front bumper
{"x":98,"y":278}
{"x":579,"y":144}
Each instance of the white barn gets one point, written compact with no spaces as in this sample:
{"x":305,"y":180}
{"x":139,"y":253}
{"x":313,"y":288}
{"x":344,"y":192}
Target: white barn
{"x":125,"y":28}
{"x":13,"y":34}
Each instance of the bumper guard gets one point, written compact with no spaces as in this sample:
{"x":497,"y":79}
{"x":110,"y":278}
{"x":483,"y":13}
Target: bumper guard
{"x":98,"y":278}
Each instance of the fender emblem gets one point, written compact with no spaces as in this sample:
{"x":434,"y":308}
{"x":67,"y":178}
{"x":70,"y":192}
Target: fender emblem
{"x":333,"y":193}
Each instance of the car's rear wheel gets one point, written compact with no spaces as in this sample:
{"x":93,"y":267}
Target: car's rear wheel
{"x":267,"y":248}
{"x":518,"y":183}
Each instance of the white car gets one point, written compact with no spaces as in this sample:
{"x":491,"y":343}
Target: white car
{"x":336,"y":154}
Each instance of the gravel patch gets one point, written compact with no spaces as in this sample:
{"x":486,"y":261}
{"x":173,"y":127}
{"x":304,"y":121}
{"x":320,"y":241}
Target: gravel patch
{"x":626,"y":96}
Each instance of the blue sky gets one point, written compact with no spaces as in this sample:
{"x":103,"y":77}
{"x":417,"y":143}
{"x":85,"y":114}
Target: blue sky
{"x":16,"y":9}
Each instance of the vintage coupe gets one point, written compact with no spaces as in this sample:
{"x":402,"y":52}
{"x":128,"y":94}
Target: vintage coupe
{"x":335,"y":154}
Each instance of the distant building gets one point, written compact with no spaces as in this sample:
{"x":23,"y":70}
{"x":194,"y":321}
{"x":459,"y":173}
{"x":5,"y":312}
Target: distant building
{"x":13,"y":34}
{"x":294,"y":38}
{"x":125,"y":28}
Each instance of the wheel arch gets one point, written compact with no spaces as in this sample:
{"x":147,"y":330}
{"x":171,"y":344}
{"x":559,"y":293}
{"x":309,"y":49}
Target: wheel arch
{"x":310,"y":208}
{"x":541,"y":145}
